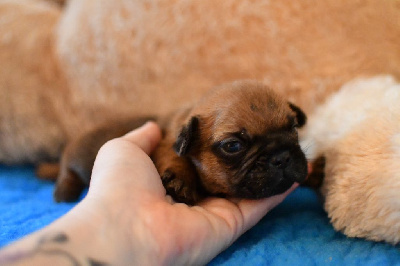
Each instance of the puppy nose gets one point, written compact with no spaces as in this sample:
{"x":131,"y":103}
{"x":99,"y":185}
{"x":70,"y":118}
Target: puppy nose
{"x":280,"y":160}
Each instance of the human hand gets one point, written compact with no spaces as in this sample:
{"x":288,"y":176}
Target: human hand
{"x":127,"y":219}
{"x":126,"y":183}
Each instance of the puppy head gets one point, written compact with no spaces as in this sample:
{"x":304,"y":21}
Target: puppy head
{"x":242,"y":139}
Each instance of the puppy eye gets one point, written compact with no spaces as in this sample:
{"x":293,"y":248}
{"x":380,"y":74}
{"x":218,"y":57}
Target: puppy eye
{"x":232,"y":146}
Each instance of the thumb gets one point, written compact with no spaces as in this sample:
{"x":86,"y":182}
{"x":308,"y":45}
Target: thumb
{"x":131,"y":150}
{"x":125,"y":163}
{"x":146,"y":137}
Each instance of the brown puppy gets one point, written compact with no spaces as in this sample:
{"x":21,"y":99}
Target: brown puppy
{"x":239,"y":140}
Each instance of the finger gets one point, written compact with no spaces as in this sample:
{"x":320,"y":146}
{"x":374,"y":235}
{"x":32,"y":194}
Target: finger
{"x":241,"y":215}
{"x":146,"y":137}
{"x":129,"y":151}
{"x":254,"y":210}
{"x":124,"y":164}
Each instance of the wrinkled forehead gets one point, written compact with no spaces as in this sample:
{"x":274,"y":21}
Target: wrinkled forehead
{"x":257,"y":115}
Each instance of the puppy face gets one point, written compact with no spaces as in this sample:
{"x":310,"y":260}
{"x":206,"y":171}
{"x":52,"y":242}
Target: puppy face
{"x":243,"y":141}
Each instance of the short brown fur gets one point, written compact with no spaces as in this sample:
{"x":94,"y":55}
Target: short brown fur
{"x":65,"y":70}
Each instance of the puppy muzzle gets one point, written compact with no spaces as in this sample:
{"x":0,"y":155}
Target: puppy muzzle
{"x":274,"y":174}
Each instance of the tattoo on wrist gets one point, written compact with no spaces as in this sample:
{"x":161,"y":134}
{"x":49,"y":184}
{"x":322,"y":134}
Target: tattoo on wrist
{"x":40,"y":248}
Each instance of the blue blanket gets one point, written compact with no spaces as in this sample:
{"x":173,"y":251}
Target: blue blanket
{"x":297,"y":232}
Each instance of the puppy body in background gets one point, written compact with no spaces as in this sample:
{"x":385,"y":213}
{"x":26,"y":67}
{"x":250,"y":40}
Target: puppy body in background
{"x":64,"y":70}
{"x":240,"y":140}
{"x":358,"y":132}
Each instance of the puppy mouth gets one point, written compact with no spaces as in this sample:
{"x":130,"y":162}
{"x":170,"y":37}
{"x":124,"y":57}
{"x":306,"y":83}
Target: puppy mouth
{"x":273,"y":175}
{"x":258,"y":189}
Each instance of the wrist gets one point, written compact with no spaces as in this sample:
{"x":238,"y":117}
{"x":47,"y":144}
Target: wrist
{"x":110,"y":233}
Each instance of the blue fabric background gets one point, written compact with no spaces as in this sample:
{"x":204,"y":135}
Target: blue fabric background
{"x":297,"y":232}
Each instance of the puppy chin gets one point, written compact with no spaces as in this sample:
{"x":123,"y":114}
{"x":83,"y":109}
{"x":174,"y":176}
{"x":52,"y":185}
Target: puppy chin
{"x":266,"y":186}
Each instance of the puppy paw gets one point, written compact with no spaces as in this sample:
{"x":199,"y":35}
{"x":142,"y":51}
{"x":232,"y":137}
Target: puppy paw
{"x":316,"y":176}
{"x":179,"y":189}
{"x":47,"y":171}
{"x":68,"y":187}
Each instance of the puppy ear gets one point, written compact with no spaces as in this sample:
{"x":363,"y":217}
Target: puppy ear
{"x":186,"y":137}
{"x":300,"y":115}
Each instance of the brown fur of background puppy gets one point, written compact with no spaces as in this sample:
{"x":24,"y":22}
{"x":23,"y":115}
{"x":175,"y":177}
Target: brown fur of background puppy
{"x":239,"y":140}
{"x":64,"y":70}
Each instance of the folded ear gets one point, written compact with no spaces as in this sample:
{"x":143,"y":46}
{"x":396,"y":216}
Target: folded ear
{"x":300,"y":115}
{"x":186,"y":137}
